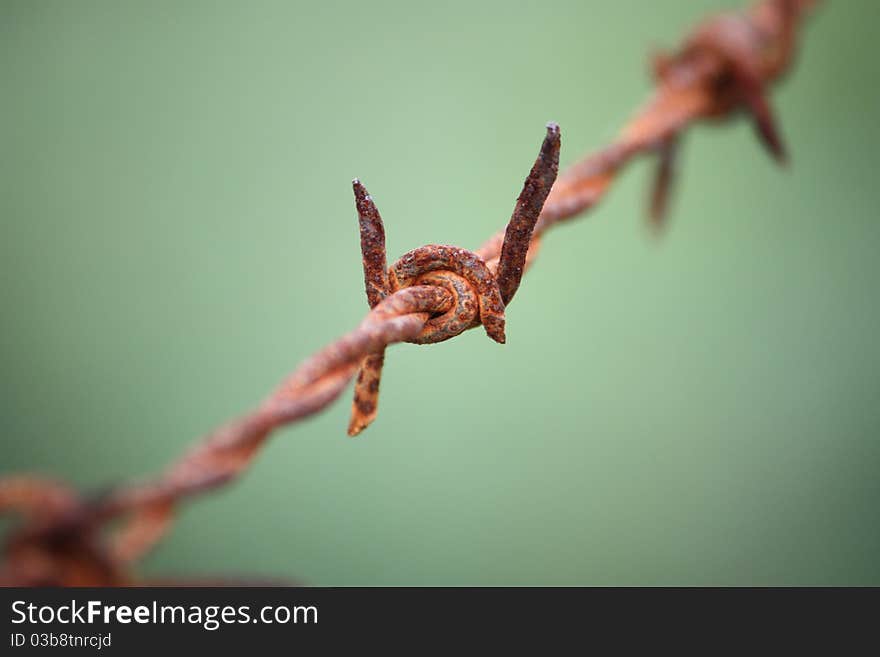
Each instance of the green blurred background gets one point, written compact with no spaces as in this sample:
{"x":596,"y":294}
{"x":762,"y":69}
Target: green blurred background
{"x":178,"y":232}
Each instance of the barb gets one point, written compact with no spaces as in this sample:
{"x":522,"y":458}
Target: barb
{"x":480,"y":295}
{"x":431,"y":294}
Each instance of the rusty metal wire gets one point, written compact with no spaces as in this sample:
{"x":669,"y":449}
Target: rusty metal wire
{"x":430,"y":294}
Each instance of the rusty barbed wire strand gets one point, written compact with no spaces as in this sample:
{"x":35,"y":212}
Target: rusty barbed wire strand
{"x":431,"y":294}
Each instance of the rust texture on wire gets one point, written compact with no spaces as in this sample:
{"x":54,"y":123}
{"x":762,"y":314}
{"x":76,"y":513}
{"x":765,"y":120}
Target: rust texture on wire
{"x":430,"y":294}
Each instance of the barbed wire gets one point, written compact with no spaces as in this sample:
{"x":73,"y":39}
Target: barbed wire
{"x":429,"y":295}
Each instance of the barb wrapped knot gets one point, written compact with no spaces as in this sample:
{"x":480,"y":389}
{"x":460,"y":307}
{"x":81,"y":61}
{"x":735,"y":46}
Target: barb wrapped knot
{"x":474,"y":289}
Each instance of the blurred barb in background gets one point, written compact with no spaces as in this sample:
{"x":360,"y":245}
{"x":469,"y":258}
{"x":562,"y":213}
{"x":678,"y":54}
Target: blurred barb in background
{"x":705,"y":413}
